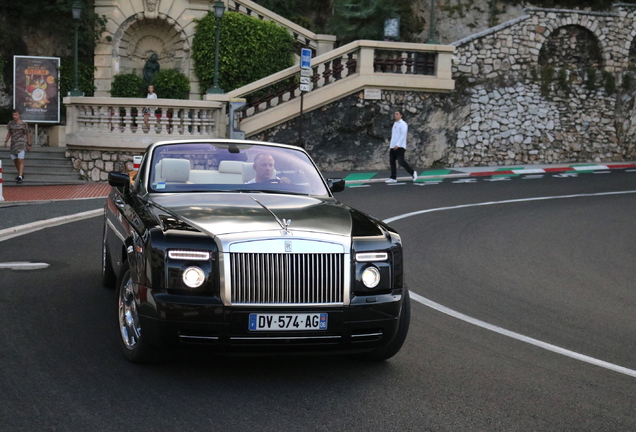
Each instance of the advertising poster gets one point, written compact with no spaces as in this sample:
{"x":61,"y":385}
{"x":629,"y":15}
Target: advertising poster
{"x":35,"y":88}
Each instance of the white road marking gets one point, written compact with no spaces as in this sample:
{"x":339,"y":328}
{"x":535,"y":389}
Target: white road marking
{"x":19,"y":230}
{"x":493,"y":179}
{"x":533,"y":177}
{"x":23,"y":265}
{"x":419,"y":212}
{"x":556,"y":349}
{"x":359,"y":186}
{"x":500,"y":330}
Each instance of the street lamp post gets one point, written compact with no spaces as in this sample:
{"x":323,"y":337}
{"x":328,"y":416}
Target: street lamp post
{"x":431,"y":36}
{"x":77,"y":14}
{"x":219,"y":10}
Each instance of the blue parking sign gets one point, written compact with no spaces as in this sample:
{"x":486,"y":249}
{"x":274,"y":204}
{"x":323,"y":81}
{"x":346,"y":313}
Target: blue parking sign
{"x":305,"y":58}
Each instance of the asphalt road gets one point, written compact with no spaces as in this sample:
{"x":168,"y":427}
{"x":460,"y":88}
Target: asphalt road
{"x":555,"y":271}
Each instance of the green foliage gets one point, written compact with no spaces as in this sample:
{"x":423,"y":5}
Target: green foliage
{"x":85,"y":74}
{"x":171,"y":84}
{"x":609,"y":82}
{"x":547,"y":76}
{"x":250,"y":49}
{"x":629,"y":84}
{"x":360,"y":19}
{"x":299,"y":11}
{"x":590,"y":82}
{"x":6,"y":114}
{"x":128,"y":86}
{"x":56,"y":18}
{"x":564,"y":81}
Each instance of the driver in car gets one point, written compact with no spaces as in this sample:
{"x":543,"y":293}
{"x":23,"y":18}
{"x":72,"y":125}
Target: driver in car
{"x":264,"y":167}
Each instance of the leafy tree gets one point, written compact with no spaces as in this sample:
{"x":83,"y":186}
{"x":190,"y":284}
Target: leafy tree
{"x":85,"y":73}
{"x":250,"y":49}
{"x":360,"y":19}
{"x":171,"y":84}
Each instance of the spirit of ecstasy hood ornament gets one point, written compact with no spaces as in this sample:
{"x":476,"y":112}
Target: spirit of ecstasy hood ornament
{"x":284,"y":224}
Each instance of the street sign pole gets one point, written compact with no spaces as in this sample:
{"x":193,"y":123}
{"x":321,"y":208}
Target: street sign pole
{"x":305,"y":80}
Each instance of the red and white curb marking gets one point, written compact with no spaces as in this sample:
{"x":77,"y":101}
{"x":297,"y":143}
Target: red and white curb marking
{"x":571,"y":168}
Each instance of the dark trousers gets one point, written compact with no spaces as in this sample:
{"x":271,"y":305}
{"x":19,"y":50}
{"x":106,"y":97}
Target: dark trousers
{"x":399,"y":156}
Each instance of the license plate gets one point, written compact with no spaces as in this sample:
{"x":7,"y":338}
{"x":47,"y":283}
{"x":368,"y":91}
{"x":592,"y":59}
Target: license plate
{"x":288,"y":321}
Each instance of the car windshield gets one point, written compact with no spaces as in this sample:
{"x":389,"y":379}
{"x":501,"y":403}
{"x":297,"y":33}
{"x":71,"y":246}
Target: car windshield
{"x":212,"y":167}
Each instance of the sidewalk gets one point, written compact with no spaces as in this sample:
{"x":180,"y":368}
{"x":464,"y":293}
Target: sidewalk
{"x":51,"y":193}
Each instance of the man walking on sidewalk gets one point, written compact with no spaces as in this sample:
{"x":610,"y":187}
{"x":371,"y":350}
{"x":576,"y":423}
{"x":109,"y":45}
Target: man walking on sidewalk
{"x":397,"y":148}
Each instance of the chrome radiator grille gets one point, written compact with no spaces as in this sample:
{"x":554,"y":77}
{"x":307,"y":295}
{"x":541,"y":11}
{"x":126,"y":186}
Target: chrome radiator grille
{"x":262,"y":278}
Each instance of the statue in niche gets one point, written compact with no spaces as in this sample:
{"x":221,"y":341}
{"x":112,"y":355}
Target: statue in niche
{"x":151,"y":68}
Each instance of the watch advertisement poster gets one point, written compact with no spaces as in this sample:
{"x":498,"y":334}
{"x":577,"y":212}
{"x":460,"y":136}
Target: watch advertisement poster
{"x":35,"y":88}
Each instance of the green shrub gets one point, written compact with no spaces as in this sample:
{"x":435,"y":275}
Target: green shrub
{"x":628,"y":82}
{"x":590,"y":83}
{"x":250,"y":49}
{"x":128,"y":86}
{"x":564,"y":81}
{"x":609,"y":82}
{"x":547,"y":75}
{"x":171,"y":84}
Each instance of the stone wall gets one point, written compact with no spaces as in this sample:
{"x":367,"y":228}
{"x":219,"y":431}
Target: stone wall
{"x":94,"y":165}
{"x":506,"y":108}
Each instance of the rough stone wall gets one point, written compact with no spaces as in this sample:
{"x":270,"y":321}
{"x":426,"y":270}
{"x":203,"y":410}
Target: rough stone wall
{"x":94,"y":165}
{"x":503,"y":111}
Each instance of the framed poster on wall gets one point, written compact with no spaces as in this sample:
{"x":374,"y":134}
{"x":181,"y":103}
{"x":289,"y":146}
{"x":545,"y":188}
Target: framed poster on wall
{"x":35,"y":88}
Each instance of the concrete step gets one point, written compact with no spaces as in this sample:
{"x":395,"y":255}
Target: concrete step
{"x":42,"y":166}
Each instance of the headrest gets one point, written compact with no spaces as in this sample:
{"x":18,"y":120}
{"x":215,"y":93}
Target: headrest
{"x":233,"y":167}
{"x":175,"y":170}
{"x":248,"y":172}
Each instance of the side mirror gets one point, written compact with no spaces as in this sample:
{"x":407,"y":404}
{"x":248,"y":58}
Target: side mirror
{"x":336,"y":185}
{"x":119,"y":180}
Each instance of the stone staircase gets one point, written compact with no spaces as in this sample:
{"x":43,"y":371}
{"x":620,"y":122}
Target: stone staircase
{"x":42,"y":166}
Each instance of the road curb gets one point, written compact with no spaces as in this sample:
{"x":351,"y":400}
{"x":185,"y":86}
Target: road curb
{"x":504,"y":171}
{"x":19,"y":230}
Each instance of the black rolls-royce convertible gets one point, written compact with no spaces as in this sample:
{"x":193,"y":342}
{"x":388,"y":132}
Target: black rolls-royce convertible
{"x":240,"y":246}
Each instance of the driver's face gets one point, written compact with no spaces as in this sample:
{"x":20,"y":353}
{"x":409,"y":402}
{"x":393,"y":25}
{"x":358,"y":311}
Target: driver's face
{"x":264,"y":168}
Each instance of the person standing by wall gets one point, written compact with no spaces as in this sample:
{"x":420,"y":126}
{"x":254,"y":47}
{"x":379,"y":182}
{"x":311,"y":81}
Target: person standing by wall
{"x":18,"y":132}
{"x":397,"y":147}
{"x":148,"y":110}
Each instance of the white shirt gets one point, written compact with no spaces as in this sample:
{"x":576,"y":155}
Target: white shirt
{"x":398,"y":135}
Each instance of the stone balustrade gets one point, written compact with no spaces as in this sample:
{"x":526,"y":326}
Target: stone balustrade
{"x":343,"y":71}
{"x":103,"y":134}
{"x":119,"y":123}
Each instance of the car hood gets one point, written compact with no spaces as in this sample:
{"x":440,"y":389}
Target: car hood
{"x":230,"y":213}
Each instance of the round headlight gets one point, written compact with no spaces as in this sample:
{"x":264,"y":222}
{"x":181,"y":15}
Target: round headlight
{"x":371,"y":277}
{"x":193,"y":277}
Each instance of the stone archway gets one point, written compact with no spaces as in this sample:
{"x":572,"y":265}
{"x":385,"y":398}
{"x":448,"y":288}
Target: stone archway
{"x":136,"y":29}
{"x":571,"y":45}
{"x":139,"y":37}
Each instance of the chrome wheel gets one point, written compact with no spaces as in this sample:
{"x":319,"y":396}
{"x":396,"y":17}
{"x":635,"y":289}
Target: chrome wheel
{"x":129,"y":326}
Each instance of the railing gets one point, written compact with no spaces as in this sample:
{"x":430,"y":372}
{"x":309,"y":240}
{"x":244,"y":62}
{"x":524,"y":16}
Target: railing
{"x":122,"y":122}
{"x":319,"y":43}
{"x":358,"y":65}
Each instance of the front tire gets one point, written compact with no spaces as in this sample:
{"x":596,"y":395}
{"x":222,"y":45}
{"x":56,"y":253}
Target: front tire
{"x":132,"y":343}
{"x":392,"y":348}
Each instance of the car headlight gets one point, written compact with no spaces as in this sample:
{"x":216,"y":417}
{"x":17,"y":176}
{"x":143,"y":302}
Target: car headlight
{"x":193,"y":277}
{"x":371,"y":277}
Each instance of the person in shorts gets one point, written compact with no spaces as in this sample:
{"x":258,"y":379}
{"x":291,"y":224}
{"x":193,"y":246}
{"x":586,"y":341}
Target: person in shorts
{"x":18,"y":133}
